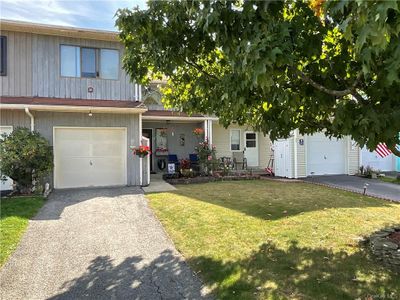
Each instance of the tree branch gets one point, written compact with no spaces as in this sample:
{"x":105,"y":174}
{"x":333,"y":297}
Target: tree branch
{"x":336,"y":93}
{"x":199,"y":68}
{"x":394,"y":151}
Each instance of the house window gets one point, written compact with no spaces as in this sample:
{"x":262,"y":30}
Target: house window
{"x":88,"y":65}
{"x":109,"y":64}
{"x":3,"y":55}
{"x":89,"y":62}
{"x":235,"y":139}
{"x":70,"y":61}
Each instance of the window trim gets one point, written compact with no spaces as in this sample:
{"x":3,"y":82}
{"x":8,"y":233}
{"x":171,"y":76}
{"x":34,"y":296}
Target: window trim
{"x":98,"y":49}
{"x":230,"y":139}
{"x":3,"y":71}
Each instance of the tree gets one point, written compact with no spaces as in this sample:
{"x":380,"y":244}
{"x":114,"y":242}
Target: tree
{"x":25,"y":156}
{"x":275,"y":65}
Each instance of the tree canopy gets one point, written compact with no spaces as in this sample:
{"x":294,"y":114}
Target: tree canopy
{"x":275,"y":65}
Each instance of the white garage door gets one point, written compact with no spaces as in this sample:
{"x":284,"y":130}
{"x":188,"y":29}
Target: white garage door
{"x":373,"y":160}
{"x":85,"y":157}
{"x":325,"y":156}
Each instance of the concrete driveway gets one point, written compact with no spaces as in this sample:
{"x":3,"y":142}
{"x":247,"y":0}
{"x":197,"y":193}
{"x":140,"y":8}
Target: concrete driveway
{"x":376,"y":187}
{"x":97,"y":244}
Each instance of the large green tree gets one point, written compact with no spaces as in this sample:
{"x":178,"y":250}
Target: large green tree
{"x":276,"y":65}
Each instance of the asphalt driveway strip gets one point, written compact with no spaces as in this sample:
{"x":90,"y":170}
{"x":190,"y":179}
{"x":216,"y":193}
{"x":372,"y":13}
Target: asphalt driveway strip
{"x":375,"y":187}
{"x":98,"y":244}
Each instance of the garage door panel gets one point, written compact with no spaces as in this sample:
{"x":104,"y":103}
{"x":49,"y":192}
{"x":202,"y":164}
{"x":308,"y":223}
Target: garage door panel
{"x":325,"y":156}
{"x":96,"y":158}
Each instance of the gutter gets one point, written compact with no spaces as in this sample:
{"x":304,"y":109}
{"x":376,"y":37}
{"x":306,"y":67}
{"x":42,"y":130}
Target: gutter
{"x":31,"y":117}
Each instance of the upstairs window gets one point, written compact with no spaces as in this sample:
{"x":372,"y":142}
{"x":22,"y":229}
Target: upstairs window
{"x":70,"y":61}
{"x":235,"y":139}
{"x":3,"y":55}
{"x":89,"y":62}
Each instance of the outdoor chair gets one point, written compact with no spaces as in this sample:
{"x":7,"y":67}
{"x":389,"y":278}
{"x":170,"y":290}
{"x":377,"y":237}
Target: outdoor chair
{"x":239,"y":159}
{"x":173,"y":159}
{"x":194,"y":162}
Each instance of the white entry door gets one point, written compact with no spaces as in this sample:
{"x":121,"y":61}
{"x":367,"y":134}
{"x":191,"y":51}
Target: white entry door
{"x":85,"y":157}
{"x":325,"y":156}
{"x":251,"y":145}
{"x":282,"y":159}
{"x":6,"y":183}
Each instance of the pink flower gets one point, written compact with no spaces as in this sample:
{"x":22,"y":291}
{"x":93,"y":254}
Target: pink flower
{"x":209,"y":157}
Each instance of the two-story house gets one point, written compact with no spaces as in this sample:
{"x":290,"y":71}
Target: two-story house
{"x":69,"y":85}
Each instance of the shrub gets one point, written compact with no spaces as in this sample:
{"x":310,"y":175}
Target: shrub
{"x":25,"y":157}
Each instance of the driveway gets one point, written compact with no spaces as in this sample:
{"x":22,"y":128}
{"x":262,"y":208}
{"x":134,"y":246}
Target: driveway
{"x":97,"y":244}
{"x":376,"y":187}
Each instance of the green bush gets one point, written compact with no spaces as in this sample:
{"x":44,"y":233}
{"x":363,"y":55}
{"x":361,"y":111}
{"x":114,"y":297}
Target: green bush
{"x":25,"y":157}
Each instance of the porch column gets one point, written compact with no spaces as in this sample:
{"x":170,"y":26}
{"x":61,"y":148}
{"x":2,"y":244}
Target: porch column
{"x":205,"y":125}
{"x":210,"y":135}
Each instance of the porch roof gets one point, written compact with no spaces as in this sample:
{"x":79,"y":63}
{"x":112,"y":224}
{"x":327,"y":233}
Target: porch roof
{"x":174,"y":115}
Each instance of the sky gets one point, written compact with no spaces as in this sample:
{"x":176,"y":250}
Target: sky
{"x":93,"y":14}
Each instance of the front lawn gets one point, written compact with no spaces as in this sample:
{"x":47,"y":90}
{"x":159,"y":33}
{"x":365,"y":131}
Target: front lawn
{"x":271,"y":240}
{"x":390,"y":179}
{"x":15,"y":215}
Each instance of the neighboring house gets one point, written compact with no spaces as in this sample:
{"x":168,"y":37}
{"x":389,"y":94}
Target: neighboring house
{"x":68,"y":84}
{"x":372,"y":159}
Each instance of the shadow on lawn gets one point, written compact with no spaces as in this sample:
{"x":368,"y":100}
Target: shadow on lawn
{"x":299,"y":273}
{"x":272,"y":201}
{"x":166,"y":277}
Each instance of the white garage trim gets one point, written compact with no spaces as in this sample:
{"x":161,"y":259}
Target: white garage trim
{"x":124,"y":154}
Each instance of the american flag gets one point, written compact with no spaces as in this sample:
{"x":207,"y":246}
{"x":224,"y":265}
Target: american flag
{"x":382,"y":150}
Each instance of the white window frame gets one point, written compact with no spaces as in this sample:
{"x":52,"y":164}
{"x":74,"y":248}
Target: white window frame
{"x":230,"y":139}
{"x":98,"y":62}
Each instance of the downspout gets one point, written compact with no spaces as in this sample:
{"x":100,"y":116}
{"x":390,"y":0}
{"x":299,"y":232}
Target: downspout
{"x":31,"y":117}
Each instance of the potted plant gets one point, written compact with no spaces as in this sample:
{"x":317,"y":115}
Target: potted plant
{"x":141,"y":151}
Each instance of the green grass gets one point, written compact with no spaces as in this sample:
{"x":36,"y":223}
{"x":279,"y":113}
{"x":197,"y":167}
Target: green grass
{"x":271,"y":240}
{"x":14,"y":218}
{"x":390,"y":179}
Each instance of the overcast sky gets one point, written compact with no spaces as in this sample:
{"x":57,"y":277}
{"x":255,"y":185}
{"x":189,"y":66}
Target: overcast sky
{"x":96,"y":14}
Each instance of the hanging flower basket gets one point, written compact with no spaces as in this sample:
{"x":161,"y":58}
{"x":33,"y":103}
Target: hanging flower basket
{"x":141,"y":151}
{"x":198,"y":131}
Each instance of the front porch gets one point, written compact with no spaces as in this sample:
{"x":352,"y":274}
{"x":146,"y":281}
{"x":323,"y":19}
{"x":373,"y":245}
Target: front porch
{"x":172,"y":134}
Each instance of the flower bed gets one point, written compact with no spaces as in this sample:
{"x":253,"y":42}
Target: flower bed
{"x":385,"y":245}
{"x":174,"y":179}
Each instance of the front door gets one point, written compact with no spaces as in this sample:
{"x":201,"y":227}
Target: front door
{"x":148,"y":133}
{"x":251,"y":148}
{"x":282,"y":158}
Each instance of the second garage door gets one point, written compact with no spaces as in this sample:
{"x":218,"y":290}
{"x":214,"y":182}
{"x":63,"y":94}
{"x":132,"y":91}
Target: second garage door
{"x":85,"y":157}
{"x":325,"y":156}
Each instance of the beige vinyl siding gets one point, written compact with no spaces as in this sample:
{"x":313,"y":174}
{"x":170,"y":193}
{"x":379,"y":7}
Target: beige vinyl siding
{"x":301,"y":158}
{"x":353,"y":157}
{"x":18,"y":80}
{"x":221,"y":140}
{"x":45,"y":121}
{"x":33,"y":69}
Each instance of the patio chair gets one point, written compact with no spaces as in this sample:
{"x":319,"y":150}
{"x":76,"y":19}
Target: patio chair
{"x":194,"y":162}
{"x":239,"y":159}
{"x":173,"y":159}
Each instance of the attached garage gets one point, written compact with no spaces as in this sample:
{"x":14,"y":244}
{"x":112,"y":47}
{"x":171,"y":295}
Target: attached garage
{"x":89,"y":156}
{"x":325,"y":156}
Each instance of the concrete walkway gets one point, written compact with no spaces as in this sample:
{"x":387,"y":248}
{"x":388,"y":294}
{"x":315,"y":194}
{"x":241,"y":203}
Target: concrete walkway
{"x":376,"y":187}
{"x":97,"y":244}
{"x":158,"y":185}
